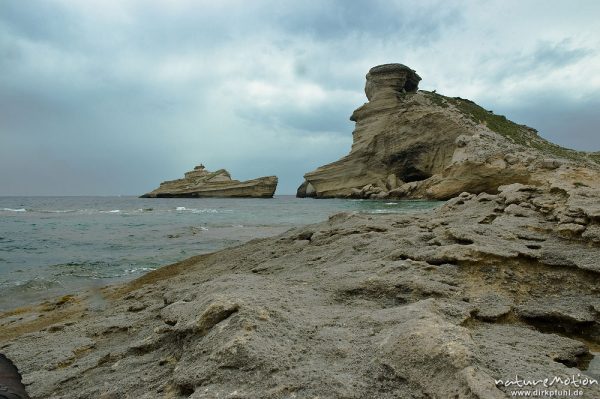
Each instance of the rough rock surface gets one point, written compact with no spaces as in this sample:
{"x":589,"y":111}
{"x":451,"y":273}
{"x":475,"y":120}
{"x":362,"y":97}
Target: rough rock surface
{"x":419,"y":144}
{"x":202,"y":183}
{"x":439,"y":304}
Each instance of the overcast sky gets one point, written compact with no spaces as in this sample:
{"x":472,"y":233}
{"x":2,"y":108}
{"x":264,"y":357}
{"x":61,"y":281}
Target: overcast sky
{"x":103,"y":97}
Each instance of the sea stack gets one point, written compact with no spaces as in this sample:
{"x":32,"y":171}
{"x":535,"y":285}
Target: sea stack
{"x":203,"y":183}
{"x":410,"y":143}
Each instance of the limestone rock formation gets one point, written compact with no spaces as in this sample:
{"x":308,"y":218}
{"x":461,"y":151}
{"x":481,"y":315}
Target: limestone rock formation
{"x":202,"y":183}
{"x":419,"y":144}
{"x":456,"y":302}
{"x":441,"y":304}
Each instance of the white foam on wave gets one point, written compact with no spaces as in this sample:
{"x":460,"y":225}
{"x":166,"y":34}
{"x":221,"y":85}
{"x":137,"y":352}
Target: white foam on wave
{"x":137,"y":270}
{"x":204,"y":210}
{"x":391,"y":203}
{"x":35,"y":284}
{"x":14,"y":210}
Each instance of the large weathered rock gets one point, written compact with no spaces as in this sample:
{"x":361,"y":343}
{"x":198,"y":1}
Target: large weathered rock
{"x":440,"y":304}
{"x":411,"y":144}
{"x":389,"y":79}
{"x":202,"y":183}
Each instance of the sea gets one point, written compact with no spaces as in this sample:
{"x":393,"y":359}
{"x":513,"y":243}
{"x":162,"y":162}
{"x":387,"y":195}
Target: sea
{"x":50,"y":246}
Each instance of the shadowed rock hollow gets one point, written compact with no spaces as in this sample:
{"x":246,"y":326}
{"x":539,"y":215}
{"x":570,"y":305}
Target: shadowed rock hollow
{"x":418,"y":144}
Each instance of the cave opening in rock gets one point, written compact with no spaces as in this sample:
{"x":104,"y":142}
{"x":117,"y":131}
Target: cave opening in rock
{"x":411,"y":86}
{"x":411,"y":174}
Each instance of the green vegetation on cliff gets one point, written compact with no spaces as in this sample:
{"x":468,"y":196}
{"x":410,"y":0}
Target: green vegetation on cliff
{"x":518,"y":134}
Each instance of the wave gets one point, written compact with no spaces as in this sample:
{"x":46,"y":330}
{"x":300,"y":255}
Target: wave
{"x":97,"y":270}
{"x":136,"y":270}
{"x":54,"y":211}
{"x":34,"y":284}
{"x":85,"y":211}
{"x":204,"y":210}
{"x":114,"y":211}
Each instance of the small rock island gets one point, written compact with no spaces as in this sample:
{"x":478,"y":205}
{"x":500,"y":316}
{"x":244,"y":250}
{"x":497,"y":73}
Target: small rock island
{"x":203,"y":183}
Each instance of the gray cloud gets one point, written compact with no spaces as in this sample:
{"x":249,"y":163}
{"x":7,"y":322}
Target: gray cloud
{"x":44,"y":21}
{"x":331,"y":20}
{"x":544,"y":57}
{"x":573,"y":124}
{"x":112,"y":97}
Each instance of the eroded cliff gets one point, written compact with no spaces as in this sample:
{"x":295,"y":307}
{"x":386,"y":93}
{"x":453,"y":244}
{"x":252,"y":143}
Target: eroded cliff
{"x":419,"y":144}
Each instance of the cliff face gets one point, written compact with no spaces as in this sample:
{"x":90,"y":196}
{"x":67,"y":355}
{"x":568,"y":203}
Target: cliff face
{"x":418,"y":144}
{"x":202,"y":183}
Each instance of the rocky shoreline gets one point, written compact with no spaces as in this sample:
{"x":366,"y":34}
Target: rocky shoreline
{"x":436,"y":304}
{"x":500,"y":282}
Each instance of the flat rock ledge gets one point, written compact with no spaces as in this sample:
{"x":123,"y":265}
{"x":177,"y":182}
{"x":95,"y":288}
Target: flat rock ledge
{"x":203,"y":183}
{"x":440,"y":304}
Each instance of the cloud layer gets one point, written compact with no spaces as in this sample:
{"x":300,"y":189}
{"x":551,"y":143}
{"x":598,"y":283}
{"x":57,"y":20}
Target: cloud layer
{"x":112,"y":97}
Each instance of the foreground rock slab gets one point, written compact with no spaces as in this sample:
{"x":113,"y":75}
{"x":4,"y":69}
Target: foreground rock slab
{"x":202,"y":183}
{"x":440,"y":304}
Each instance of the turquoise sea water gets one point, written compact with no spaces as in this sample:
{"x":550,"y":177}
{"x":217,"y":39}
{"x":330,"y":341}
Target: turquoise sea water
{"x":53,"y":245}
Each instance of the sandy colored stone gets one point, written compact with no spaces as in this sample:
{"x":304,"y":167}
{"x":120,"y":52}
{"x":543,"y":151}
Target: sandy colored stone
{"x":441,"y":146}
{"x":202,"y":183}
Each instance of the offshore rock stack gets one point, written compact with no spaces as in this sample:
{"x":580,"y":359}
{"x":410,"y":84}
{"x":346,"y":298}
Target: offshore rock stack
{"x":202,"y":183}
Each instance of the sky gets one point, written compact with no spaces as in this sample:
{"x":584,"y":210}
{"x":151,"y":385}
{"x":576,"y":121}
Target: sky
{"x":111,"y":97}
